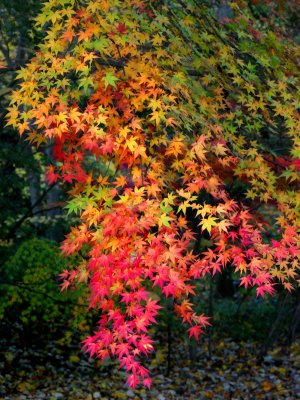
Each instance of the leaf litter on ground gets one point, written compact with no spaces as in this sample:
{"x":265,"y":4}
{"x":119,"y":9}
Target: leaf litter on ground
{"x":233,"y":371}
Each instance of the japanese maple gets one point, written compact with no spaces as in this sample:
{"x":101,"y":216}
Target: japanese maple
{"x":154,"y":111}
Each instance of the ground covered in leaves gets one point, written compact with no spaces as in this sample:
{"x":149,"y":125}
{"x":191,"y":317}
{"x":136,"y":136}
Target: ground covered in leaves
{"x":57,"y":369}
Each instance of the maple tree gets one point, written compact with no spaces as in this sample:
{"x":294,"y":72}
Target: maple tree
{"x":156,"y":112}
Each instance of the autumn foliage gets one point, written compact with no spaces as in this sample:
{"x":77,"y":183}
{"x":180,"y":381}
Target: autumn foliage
{"x":156,"y":114}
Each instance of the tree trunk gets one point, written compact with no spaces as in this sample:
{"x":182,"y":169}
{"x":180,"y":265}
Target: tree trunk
{"x":53,"y":207}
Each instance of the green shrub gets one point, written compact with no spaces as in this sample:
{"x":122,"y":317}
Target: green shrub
{"x":30,"y":289}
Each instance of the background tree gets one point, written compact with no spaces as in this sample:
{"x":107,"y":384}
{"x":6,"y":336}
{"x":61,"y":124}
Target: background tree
{"x":26,"y":198}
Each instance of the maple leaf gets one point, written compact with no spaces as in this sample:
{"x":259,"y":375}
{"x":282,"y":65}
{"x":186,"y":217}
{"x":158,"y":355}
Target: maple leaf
{"x":174,"y":253}
{"x":203,"y":210}
{"x":120,"y":181}
{"x":194,"y":331}
{"x":51,"y":175}
{"x":145,"y":344}
{"x":183,"y":206}
{"x":164,"y":220}
{"x":223,"y":225}
{"x":121,"y":28}
{"x":147,"y":382}
{"x":133,"y":380}
{"x":141,"y":323}
{"x":65,"y":285}
{"x":110,"y":79}
{"x":157,"y":116}
{"x":122,"y":349}
{"x":261,"y":290}
{"x":208,"y":223}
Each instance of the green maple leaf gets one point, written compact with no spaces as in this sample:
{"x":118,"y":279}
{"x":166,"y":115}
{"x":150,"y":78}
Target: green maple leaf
{"x":296,"y":152}
{"x":99,"y":44}
{"x":164,"y":220}
{"x":85,"y":83}
{"x":110,"y":79}
{"x":165,"y":208}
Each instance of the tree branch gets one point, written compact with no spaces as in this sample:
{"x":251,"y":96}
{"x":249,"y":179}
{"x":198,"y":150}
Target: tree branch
{"x":29,"y":212}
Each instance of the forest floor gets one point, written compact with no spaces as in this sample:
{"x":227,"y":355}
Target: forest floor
{"x":55,"y":370}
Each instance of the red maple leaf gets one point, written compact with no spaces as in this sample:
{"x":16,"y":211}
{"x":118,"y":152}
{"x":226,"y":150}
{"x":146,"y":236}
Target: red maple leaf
{"x":121,"y":28}
{"x":195,"y":331}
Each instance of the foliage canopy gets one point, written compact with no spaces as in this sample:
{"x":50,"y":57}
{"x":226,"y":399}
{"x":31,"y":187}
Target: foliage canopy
{"x":172,"y":129}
